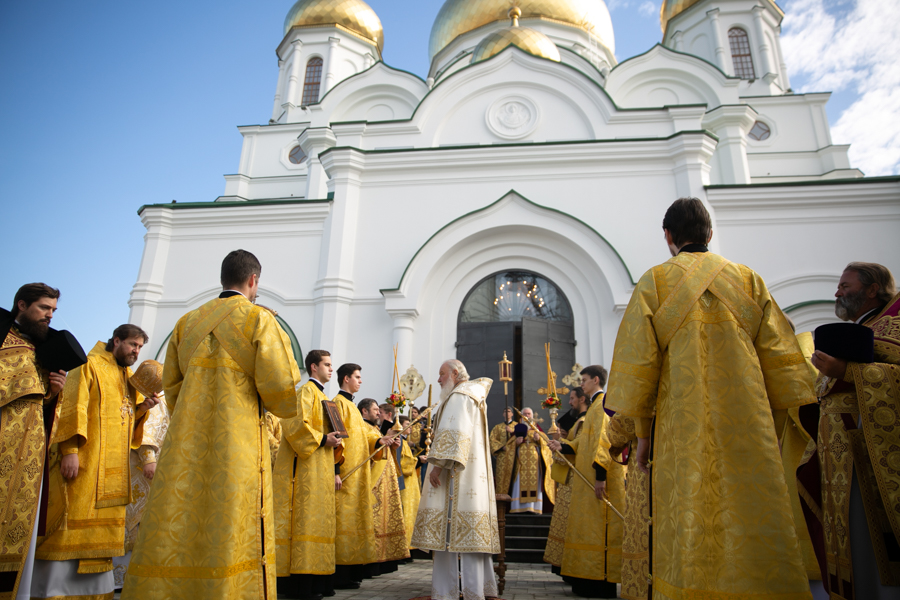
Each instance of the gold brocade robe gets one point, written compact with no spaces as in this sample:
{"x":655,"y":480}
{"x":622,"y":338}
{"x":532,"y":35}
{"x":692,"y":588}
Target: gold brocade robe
{"x":532,"y":468}
{"x":704,"y":347}
{"x":410,"y":494}
{"x":797,"y":447}
{"x":636,"y":535}
{"x":86,"y":515}
{"x":390,"y":528}
{"x":593,"y":548}
{"x":155,"y":427}
{"x":869,"y":395}
{"x":354,"y":503}
{"x":273,"y":431}
{"x":556,"y":539}
{"x":23,"y":384}
{"x":207,"y":531}
{"x":304,"y":490}
{"x":503,"y":449}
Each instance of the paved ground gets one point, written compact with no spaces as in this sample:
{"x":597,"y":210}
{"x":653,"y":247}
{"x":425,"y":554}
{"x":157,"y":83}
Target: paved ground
{"x":412,"y":580}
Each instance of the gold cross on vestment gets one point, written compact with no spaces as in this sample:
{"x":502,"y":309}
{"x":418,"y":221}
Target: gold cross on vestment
{"x":472,"y":493}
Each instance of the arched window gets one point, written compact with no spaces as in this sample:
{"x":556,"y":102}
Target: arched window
{"x":512,"y":295}
{"x":740,"y":53}
{"x":312,"y":82}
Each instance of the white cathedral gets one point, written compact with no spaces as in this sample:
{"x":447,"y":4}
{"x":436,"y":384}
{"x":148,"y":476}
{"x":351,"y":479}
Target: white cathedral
{"x":515,"y":196}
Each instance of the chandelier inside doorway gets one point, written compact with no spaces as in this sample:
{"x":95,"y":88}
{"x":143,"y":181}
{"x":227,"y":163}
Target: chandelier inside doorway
{"x":514,"y":295}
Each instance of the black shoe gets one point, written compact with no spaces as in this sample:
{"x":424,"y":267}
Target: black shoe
{"x":590,"y":588}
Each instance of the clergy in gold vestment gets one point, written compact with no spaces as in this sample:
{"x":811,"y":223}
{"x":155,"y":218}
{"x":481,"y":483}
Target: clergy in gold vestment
{"x":704,"y":347}
{"x":556,"y":539}
{"x":390,"y":526}
{"x":859,"y":444}
{"x":636,"y":534}
{"x":307,"y":474}
{"x":797,"y":447}
{"x":410,"y":493}
{"x":458,"y":509}
{"x":592,"y":554}
{"x":503,"y":449}
{"x":143,"y":468}
{"x":101,"y":419}
{"x":207,"y":531}
{"x":354,"y":543}
{"x":531,"y":481}
{"x":24,"y":387}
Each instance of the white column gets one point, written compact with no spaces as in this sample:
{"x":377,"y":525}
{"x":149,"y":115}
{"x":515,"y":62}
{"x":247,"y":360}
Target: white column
{"x":279,"y":90}
{"x":678,"y":41}
{"x":721,"y":58}
{"x":785,"y":80}
{"x":404,"y":328}
{"x":330,"y":59}
{"x":762,"y":47}
{"x":291,"y":98}
{"x":315,"y":141}
{"x":148,"y":290}
{"x":333,"y":292}
{"x":731,"y":124}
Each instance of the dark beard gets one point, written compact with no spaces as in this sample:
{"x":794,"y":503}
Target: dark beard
{"x":36,"y":330}
{"x":849,"y":304}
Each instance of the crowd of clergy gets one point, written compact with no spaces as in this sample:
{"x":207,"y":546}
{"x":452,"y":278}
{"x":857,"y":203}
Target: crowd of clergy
{"x":720,"y":457}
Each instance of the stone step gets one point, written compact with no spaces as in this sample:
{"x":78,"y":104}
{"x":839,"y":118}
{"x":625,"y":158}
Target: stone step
{"x":526,"y":542}
{"x":514,"y":555}
{"x":528,"y":531}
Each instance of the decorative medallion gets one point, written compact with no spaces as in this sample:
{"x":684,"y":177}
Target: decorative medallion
{"x":513,"y":117}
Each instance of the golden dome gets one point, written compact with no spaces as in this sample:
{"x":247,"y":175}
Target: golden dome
{"x":354,"y":16}
{"x":457,"y":17}
{"x":673,"y":8}
{"x":529,"y":40}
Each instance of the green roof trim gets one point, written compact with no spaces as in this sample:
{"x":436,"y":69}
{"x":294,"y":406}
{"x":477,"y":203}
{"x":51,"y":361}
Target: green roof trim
{"x":363,"y":72}
{"x":799,"y":305}
{"x":495,"y":202}
{"x":295,"y":345}
{"x":673,"y":51}
{"x":866,"y":180}
{"x":191,"y":205}
{"x":523,"y":144}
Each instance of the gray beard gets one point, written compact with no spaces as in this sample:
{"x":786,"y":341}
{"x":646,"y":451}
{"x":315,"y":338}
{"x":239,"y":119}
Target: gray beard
{"x":847,"y":306}
{"x":446,"y":391}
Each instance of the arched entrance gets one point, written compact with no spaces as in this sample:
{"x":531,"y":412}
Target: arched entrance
{"x":516,"y":312}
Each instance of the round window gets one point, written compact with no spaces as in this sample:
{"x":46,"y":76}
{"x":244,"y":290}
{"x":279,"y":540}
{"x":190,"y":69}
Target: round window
{"x":760,"y":131}
{"x":296,"y":155}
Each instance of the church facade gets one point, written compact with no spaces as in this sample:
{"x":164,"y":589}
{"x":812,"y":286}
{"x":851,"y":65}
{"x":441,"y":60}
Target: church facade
{"x":515,"y":196}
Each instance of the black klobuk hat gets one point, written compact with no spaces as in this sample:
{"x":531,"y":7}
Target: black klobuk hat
{"x":60,"y":352}
{"x":847,"y":341}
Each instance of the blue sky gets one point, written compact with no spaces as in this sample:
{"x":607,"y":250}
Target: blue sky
{"x":109,"y":105}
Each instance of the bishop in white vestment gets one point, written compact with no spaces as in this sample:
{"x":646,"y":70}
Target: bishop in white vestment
{"x":457,"y":515}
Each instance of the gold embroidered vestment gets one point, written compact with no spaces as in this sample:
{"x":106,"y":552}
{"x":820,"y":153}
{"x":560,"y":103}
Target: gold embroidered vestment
{"x":23,"y":384}
{"x":86,"y":515}
{"x":704,"y":347}
{"x":556,"y":539}
{"x":207,"y":531}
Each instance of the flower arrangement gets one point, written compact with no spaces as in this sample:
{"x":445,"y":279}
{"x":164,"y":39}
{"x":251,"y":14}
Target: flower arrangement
{"x":397,"y":400}
{"x":551,"y":401}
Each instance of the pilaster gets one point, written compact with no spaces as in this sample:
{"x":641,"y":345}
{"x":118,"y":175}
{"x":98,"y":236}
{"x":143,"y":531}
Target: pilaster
{"x":731,"y":123}
{"x":330,"y":61}
{"x":721,"y":56}
{"x":765,"y":53}
{"x":404,"y":328}
{"x":314,"y":141}
{"x":149,"y":288}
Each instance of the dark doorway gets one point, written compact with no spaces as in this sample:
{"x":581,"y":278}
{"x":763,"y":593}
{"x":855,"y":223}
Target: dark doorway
{"x":516,"y":312}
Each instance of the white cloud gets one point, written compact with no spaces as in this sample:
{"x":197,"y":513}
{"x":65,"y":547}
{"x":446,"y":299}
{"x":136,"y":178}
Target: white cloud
{"x":855,"y":51}
{"x":648,"y":8}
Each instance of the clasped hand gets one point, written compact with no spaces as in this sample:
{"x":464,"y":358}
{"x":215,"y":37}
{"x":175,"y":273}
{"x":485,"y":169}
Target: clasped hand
{"x":332,"y":440}
{"x":835,"y":368}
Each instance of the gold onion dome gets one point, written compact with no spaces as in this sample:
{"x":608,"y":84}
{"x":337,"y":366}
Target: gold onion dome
{"x":672,"y":8}
{"x":457,"y":17}
{"x":529,"y":40}
{"x":354,"y":16}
